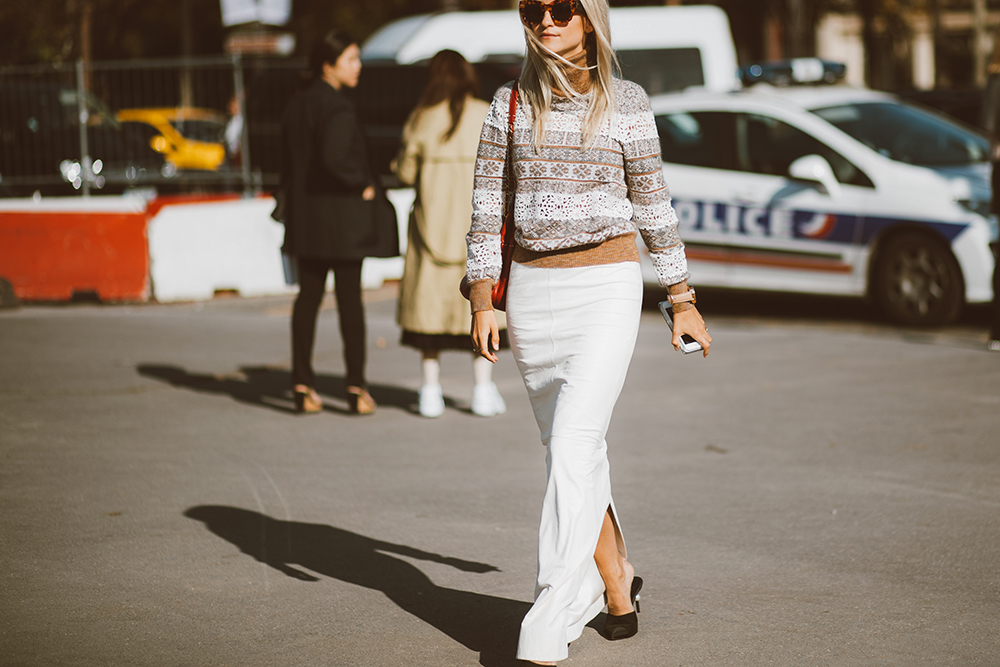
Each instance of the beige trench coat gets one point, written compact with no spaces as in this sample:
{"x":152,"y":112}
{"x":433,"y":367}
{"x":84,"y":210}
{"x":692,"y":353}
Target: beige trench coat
{"x":442,"y":173}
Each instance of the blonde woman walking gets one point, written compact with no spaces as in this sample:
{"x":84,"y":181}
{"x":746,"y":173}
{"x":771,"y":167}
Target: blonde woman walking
{"x":438,"y":156}
{"x":586,"y":159}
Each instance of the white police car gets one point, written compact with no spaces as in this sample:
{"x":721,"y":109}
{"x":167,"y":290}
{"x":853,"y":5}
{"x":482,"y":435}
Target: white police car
{"x":830,"y":190}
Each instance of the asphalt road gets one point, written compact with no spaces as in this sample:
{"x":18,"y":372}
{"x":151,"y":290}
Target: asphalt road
{"x":821,"y":491}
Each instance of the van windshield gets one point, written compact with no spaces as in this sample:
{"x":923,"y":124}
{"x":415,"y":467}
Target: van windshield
{"x":662,"y":70}
{"x":907,"y":134}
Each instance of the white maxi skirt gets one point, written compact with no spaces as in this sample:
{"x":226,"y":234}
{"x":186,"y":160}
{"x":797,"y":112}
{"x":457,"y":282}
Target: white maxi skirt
{"x":572,"y":332}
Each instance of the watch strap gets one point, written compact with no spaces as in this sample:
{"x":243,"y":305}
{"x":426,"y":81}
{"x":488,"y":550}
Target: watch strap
{"x":683,"y":297}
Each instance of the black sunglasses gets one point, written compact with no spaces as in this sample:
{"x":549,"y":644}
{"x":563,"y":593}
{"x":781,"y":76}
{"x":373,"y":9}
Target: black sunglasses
{"x":561,"y":11}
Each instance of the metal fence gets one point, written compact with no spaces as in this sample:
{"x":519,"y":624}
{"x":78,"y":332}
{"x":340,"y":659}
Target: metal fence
{"x":179,"y":125}
{"x":117,"y":126}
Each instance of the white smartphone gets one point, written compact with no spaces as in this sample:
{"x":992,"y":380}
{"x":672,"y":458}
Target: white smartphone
{"x":688,"y":344}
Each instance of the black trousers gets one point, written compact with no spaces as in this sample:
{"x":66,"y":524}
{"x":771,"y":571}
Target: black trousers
{"x":347,"y":286}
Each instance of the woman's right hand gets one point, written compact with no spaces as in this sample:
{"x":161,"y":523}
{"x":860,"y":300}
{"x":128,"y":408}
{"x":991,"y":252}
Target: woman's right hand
{"x":369,"y":193}
{"x":485,"y":334}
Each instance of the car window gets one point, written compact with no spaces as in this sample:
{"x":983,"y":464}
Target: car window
{"x":200,"y":130}
{"x":769,"y":146}
{"x":699,"y":139}
{"x":124,"y":143}
{"x":907,"y":134}
{"x":139,"y":134}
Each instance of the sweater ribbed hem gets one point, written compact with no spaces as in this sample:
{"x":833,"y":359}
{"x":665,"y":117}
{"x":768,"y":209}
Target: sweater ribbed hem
{"x":613,"y":251}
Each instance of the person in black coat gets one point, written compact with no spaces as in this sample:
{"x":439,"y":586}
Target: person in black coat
{"x":328,"y":192}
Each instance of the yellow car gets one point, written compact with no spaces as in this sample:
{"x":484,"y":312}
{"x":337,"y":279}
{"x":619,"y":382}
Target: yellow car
{"x":188,"y":138}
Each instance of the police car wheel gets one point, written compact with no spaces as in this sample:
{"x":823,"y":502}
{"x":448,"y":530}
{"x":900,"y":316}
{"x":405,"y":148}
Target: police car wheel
{"x":916,"y":280}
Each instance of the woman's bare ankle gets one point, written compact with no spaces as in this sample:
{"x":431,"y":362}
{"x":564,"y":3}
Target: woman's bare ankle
{"x":621,"y":602}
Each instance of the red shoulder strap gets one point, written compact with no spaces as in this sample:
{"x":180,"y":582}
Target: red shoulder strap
{"x":512,"y":112}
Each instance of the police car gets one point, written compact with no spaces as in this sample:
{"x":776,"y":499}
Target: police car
{"x":830,"y":190}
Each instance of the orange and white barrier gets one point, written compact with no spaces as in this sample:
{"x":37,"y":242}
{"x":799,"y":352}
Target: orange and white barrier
{"x":182,"y":248}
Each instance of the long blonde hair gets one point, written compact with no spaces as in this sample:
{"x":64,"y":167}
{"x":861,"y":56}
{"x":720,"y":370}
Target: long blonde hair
{"x":543,"y":70}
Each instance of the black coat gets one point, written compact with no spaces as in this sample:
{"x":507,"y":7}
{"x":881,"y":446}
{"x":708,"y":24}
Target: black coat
{"x":325,"y":170}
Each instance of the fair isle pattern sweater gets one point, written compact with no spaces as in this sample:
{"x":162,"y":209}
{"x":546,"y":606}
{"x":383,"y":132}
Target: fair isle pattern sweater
{"x":567,"y":197}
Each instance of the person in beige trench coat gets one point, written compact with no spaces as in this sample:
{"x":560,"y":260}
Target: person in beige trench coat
{"x":438,"y":157}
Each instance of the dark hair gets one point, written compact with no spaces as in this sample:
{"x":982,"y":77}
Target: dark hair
{"x":449,"y":77}
{"x":328,"y":50}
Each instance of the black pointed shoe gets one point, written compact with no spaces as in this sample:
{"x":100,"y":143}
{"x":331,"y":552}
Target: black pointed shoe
{"x":626,"y":625}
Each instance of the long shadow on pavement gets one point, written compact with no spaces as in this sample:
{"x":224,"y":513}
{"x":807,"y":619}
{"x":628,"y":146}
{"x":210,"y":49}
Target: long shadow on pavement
{"x":270,"y":387}
{"x":481,"y":623}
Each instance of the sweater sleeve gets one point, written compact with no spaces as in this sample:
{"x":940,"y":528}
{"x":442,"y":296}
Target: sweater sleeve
{"x":483,"y":239}
{"x":652,"y":212}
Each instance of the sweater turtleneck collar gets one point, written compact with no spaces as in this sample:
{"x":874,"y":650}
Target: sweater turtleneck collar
{"x":578,"y":77}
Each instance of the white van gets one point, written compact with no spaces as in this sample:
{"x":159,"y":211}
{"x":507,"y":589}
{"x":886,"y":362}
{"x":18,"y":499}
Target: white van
{"x":663,"y":49}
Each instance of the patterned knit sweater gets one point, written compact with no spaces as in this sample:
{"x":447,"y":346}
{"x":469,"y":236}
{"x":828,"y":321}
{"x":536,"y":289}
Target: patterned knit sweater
{"x":568,"y":198}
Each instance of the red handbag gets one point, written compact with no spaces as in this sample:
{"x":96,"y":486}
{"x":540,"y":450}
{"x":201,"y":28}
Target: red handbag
{"x":507,"y":230}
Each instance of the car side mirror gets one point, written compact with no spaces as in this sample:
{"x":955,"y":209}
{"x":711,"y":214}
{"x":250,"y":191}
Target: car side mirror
{"x":816,"y":169}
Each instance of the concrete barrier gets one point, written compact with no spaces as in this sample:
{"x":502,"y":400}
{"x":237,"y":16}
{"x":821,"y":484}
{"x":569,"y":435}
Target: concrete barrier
{"x":197,"y":248}
{"x":181,"y":248}
{"x":55,"y":249}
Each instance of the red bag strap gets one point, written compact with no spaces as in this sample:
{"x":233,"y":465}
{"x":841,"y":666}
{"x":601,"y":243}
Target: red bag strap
{"x":509,"y":183}
{"x":512,"y":113}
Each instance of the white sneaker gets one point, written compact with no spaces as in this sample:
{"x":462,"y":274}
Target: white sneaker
{"x":487,"y":401}
{"x":993,"y":346}
{"x":431,"y":400}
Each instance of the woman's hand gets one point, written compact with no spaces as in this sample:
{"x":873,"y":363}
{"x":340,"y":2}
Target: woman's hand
{"x":485,"y":334}
{"x":689,"y":322}
{"x":369,"y":193}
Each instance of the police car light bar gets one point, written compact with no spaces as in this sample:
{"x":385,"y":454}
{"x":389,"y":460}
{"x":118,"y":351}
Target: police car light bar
{"x":797,"y":71}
